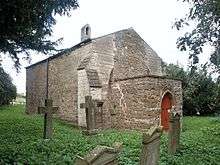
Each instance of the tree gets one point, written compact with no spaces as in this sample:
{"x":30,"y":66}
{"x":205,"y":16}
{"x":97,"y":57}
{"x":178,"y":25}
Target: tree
{"x":217,"y":101}
{"x":200,"y":92}
{"x":176,"y":72}
{"x":26,"y":25}
{"x":206,"y":15}
{"x":7,"y":88}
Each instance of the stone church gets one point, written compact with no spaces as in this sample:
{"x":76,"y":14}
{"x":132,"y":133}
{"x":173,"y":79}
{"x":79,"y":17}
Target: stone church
{"x":119,"y":69}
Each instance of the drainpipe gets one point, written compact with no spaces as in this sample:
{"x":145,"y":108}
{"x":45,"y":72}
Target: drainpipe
{"x":47,"y":78}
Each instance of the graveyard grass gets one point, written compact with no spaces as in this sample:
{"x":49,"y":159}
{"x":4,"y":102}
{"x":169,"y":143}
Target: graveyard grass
{"x":21,"y":141}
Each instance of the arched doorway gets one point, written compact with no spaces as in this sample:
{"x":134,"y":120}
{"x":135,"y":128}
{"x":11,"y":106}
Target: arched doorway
{"x":166,"y":105}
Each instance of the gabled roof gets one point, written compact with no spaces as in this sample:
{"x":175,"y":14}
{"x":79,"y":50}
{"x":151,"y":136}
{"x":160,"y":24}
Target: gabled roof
{"x":77,"y":46}
{"x":65,"y":51}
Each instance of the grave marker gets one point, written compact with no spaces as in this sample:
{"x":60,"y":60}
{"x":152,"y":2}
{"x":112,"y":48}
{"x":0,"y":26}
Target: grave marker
{"x":101,"y":155}
{"x":91,"y":107}
{"x":48,"y":111}
{"x":174,"y":133}
{"x":150,"y":153}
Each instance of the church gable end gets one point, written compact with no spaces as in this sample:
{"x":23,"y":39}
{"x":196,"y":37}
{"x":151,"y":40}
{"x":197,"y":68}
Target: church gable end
{"x":134,"y":57}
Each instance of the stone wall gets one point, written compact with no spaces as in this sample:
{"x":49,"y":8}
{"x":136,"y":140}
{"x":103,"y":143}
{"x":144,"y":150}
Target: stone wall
{"x":63,"y":82}
{"x":123,"y":54}
{"x":136,"y":86}
{"x":100,"y":61}
{"x":134,"y":57}
{"x":83,"y":90}
{"x":35,"y":87}
{"x":136,"y":103}
{"x":103,"y":60}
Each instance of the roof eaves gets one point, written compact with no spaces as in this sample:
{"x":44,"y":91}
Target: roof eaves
{"x":65,"y":51}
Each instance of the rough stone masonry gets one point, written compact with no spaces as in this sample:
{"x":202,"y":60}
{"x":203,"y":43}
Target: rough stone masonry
{"x":120,"y":69}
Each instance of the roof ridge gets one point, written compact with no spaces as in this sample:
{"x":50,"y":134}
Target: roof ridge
{"x":130,"y":28}
{"x":67,"y":50}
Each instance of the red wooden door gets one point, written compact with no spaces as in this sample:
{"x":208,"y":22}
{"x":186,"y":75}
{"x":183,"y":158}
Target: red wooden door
{"x":166,"y":105}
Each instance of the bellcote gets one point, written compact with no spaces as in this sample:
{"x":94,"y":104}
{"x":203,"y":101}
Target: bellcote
{"x":85,"y":32}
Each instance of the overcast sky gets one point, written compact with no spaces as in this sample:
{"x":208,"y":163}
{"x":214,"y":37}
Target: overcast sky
{"x":152,"y":19}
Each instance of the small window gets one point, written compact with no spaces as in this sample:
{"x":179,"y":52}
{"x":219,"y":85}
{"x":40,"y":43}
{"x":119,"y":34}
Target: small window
{"x":87,"y":30}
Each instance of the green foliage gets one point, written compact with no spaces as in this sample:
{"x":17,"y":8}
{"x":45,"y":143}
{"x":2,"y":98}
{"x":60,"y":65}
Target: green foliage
{"x":7,"y":88}
{"x":200,"y":92}
{"x":26,"y":25}
{"x":206,"y":14}
{"x":176,"y":72}
{"x":21,"y":141}
{"x":199,"y":143}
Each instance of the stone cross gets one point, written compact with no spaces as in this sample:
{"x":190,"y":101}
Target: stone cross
{"x":90,"y":113}
{"x":150,"y":153}
{"x":174,"y":133}
{"x":48,"y":111}
{"x":91,"y":106}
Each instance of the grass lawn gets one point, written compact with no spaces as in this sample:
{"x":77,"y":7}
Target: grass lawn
{"x":21,"y":141}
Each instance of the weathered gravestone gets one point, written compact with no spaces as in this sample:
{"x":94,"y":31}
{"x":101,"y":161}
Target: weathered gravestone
{"x":48,"y":111}
{"x":101,"y":155}
{"x":150,"y":153}
{"x":174,"y":133}
{"x":91,"y":106}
